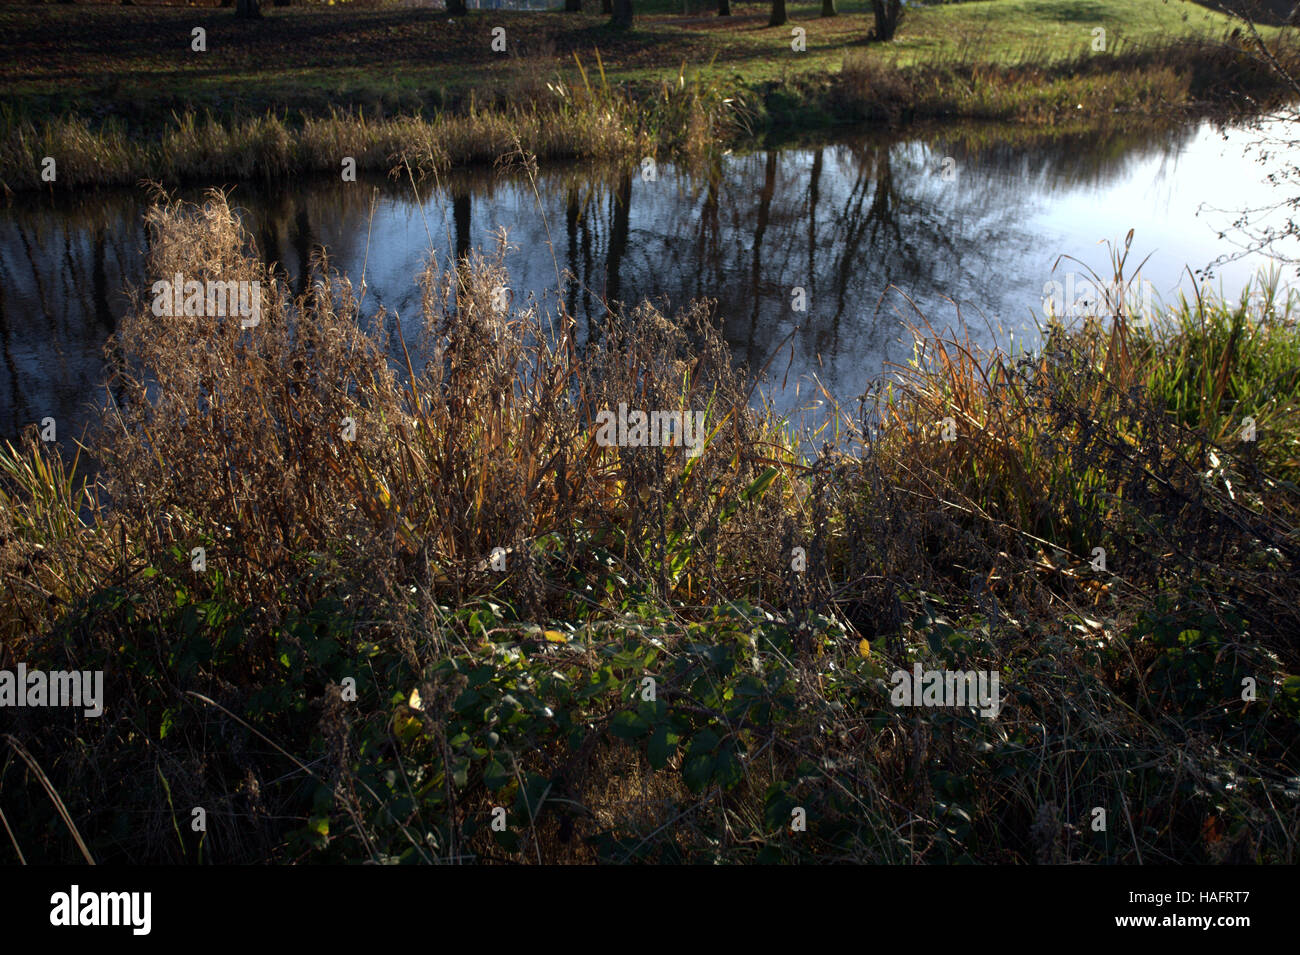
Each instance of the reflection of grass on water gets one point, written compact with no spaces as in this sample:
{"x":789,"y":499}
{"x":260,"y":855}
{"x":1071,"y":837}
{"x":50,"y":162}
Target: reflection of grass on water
{"x":768,"y":594}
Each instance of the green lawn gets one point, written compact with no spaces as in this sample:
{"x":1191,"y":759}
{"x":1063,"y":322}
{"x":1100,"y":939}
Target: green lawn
{"x":136,"y":62}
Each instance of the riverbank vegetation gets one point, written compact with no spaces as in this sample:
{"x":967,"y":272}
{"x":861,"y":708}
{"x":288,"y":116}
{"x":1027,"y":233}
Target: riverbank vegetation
{"x":116,"y":94}
{"x":465,"y":603}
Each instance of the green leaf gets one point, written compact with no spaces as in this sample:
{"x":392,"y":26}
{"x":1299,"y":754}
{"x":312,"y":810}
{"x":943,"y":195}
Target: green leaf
{"x":705,"y":741}
{"x":320,"y":650}
{"x":318,"y":829}
{"x":466,"y":701}
{"x":603,"y":681}
{"x":768,"y":855}
{"x":662,"y":746}
{"x":700,"y":764}
{"x":727,"y":770}
{"x":629,"y":725}
{"x":495,"y":775}
{"x":759,"y":485}
{"x":529,"y":799}
{"x":696,"y":771}
{"x":777,"y":805}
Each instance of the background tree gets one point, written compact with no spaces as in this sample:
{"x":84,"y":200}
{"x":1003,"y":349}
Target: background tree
{"x":248,"y":9}
{"x":778,"y":14}
{"x":888,"y":13}
{"x":622,"y":17}
{"x":606,"y":6}
{"x":1273,"y":227}
{"x":724,"y":8}
{"x":456,"y":8}
{"x":573,"y":6}
{"x":828,"y":8}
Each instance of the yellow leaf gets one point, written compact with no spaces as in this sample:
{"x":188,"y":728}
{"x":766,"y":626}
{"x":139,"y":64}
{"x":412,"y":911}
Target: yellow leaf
{"x":864,"y":648}
{"x":414,"y":701}
{"x":405,"y":726}
{"x":554,"y":636}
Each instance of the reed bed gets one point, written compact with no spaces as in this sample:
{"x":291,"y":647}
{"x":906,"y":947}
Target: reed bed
{"x":582,"y":118}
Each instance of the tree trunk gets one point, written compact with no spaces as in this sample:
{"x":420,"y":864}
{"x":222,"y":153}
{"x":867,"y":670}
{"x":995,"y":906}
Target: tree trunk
{"x":606,"y":6}
{"x":724,"y":8}
{"x":828,"y":8}
{"x":456,"y":8}
{"x":248,"y":10}
{"x":779,"y":16}
{"x":573,"y":6}
{"x":622,"y":17}
{"x":888,"y":13}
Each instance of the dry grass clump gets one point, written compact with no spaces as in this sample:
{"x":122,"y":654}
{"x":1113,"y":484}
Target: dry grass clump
{"x":1033,"y":86}
{"x":258,"y":411}
{"x":1094,"y":441}
{"x":84,"y":154}
{"x":233,"y":438}
{"x":592,"y":121}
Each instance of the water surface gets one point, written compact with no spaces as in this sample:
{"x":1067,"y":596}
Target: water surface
{"x":876,"y":229}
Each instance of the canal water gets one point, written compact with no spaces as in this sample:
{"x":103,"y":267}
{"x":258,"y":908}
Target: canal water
{"x":815,"y":257}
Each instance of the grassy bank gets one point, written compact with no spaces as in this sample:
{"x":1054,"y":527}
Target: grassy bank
{"x":115,"y":94}
{"x":767,"y":594}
